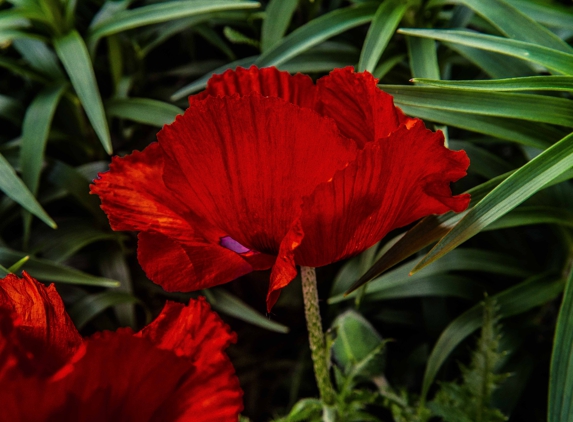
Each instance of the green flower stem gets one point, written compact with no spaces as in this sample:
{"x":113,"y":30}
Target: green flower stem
{"x":316,"y":336}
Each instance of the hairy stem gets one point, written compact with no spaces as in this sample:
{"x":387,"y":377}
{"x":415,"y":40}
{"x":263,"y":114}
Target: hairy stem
{"x":316,"y":336}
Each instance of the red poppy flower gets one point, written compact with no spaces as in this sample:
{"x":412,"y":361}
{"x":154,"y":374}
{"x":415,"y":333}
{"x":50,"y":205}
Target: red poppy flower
{"x":175,"y":369}
{"x":265,"y":169}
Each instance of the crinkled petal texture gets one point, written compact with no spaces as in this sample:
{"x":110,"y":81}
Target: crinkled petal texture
{"x":287,"y":172}
{"x":36,"y":325}
{"x":174,"y":370}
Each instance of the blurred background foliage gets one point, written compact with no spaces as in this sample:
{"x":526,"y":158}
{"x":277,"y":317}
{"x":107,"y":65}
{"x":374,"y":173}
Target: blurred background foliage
{"x":83,"y":79}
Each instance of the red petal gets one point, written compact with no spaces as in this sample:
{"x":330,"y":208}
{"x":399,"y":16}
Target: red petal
{"x":245,"y":164}
{"x":172,"y":253}
{"x":269,"y":82}
{"x":392,"y":183}
{"x":177,"y":267}
{"x":41,"y":329}
{"x":125,"y":377}
{"x":361,"y":110}
{"x":284,"y":270}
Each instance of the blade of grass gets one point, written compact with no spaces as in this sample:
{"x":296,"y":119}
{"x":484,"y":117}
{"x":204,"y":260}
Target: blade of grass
{"x":552,"y":59}
{"x":278,"y":16}
{"x":519,"y":131}
{"x":73,"y":53}
{"x":560,"y":408}
{"x":143,"y":110}
{"x":15,"y":188}
{"x":522,"y":184}
{"x":529,"y":83}
{"x":531,"y":107}
{"x":514,"y":24}
{"x":383,"y":26}
{"x":315,"y":32}
{"x":225,"y":302}
{"x":160,"y":12}
{"x":46,"y":270}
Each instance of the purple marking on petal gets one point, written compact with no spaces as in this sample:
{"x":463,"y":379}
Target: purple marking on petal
{"x":230,"y":243}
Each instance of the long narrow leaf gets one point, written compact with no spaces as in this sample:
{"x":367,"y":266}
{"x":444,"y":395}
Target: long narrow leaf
{"x":277,"y":19}
{"x":511,"y":22}
{"x":560,"y":408}
{"x":88,"y":307}
{"x":526,"y":181}
{"x":317,"y":31}
{"x":143,"y":110}
{"x":552,"y":59}
{"x":535,"y":108}
{"x":383,"y":26}
{"x":74,"y":55}
{"x":161,"y":12}
{"x":530,"y":83}
{"x":46,"y":270}
{"x":15,"y":188}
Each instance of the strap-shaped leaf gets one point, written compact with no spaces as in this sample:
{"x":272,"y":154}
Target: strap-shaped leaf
{"x":229,"y":304}
{"x":74,"y":55}
{"x":277,"y":18}
{"x":143,"y":110}
{"x":316,"y":31}
{"x":529,"y":294}
{"x":560,"y":407}
{"x":90,"y":306}
{"x":46,"y":270}
{"x":514,"y":24}
{"x":15,"y":188}
{"x":531,"y":107}
{"x":161,"y":12}
{"x":529,"y":83}
{"x":550,"y":58}
{"x":383,"y":26}
{"x":526,"y":181}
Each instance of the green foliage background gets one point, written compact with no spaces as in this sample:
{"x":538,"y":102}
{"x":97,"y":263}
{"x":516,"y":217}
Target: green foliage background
{"x":81,"y":80}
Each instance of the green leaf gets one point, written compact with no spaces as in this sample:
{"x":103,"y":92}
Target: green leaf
{"x":161,"y":12}
{"x":459,"y":260}
{"x":88,"y":307}
{"x":482,"y":161}
{"x":225,"y":302}
{"x":529,"y":294}
{"x":528,"y":215}
{"x":494,"y":64}
{"x":529,"y":83}
{"x":201,"y":82}
{"x":383,"y":26}
{"x":17,"y":265}
{"x":423,"y":57}
{"x":143,"y":110}
{"x":11,"y":109}
{"x":522,"y":184}
{"x":531,"y":107}
{"x":514,"y":24}
{"x":15,"y":188}
{"x":519,"y":131}
{"x":40,"y":57}
{"x":74,"y":55}
{"x":552,"y":59}
{"x":355,"y":341}
{"x":315,"y":32}
{"x":424,"y":233}
{"x":35,"y":131}
{"x":547,"y":13}
{"x":277,"y":18}
{"x":560,"y":408}
{"x":16,"y":67}
{"x":46,"y":270}
{"x":322,"y":58}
